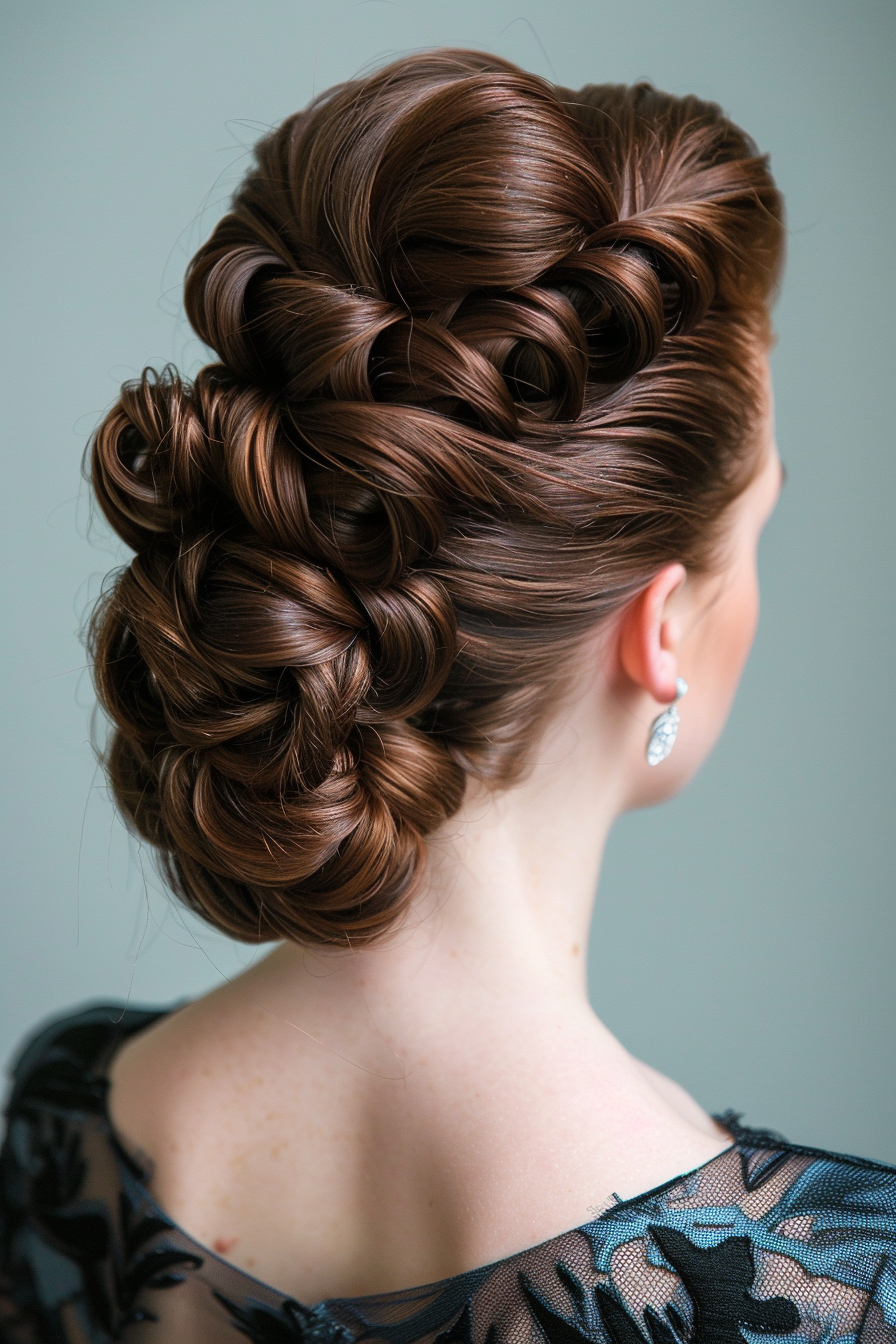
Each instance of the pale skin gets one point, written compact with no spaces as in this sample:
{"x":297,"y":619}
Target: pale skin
{"x":345,"y":1122}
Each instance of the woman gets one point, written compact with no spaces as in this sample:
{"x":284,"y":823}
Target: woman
{"x":424,"y":565}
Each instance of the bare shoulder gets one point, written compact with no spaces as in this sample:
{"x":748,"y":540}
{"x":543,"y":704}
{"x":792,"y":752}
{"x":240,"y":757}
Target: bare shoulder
{"x":147,"y":1074}
{"x":176,"y":1085}
{"x":680,"y":1100}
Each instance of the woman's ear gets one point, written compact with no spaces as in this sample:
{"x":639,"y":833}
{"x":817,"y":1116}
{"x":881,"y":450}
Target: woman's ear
{"x":649,"y":636}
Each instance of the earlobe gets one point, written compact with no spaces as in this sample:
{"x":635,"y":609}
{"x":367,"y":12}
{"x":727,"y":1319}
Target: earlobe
{"x":649,"y":636}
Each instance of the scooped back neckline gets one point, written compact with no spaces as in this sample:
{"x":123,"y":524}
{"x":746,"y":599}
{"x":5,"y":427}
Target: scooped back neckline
{"x":145,"y":1017}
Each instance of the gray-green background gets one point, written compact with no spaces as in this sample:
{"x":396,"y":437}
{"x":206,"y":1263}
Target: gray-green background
{"x":745,"y":934}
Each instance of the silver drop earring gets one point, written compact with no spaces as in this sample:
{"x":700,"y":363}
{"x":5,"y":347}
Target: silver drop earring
{"x":664,"y":729}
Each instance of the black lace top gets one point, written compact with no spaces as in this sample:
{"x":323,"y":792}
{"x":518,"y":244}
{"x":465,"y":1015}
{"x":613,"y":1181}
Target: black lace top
{"x":767,"y":1239}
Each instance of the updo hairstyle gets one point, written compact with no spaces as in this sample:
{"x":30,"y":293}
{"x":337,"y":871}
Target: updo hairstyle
{"x":487,"y":358}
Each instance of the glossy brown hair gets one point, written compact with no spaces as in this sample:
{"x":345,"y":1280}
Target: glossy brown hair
{"x":486,"y":361}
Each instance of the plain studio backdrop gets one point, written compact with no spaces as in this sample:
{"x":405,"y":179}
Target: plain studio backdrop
{"x":744,"y":934}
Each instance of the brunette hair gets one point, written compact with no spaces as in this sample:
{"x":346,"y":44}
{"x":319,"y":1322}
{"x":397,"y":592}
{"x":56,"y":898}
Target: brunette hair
{"x":487,"y":360}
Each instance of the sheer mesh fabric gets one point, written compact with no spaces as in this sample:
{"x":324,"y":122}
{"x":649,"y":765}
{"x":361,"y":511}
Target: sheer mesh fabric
{"x":767,"y":1239}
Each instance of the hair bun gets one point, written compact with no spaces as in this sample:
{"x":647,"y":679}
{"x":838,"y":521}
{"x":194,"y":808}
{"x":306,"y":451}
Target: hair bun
{"x":253,"y":686}
{"x":369,"y":535}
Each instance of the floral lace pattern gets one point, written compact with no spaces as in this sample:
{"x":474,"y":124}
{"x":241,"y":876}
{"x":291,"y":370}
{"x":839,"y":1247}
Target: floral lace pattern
{"x":767,"y":1239}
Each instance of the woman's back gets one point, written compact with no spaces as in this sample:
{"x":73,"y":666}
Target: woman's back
{"x":374,"y":1137}
{"x":764,"y":1239}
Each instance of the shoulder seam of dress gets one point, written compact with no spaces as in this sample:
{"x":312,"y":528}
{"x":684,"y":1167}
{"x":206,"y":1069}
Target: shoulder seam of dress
{"x":769,"y":1138}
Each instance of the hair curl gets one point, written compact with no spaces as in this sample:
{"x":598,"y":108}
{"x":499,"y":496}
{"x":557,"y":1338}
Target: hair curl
{"x":487,"y":360}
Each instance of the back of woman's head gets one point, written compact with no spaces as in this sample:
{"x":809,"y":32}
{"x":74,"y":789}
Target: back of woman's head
{"x":488,"y":358}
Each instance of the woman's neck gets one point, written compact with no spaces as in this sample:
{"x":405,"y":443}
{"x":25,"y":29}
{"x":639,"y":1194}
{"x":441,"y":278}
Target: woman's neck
{"x":502,"y":922}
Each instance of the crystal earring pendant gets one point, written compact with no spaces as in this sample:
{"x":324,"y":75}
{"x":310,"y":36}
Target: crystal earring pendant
{"x":664,"y":729}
